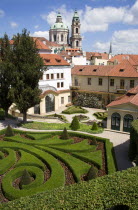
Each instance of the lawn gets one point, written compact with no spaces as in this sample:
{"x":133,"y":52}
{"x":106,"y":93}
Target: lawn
{"x":61,"y":126}
{"x":51,"y":161}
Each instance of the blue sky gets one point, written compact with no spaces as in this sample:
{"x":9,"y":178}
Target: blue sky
{"x":102,"y":21}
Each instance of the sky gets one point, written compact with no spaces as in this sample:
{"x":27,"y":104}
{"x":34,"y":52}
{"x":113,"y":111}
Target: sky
{"x":102,"y":21}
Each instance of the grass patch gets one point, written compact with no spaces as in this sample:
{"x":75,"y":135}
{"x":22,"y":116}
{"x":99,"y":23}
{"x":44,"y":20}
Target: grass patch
{"x":56,"y":126}
{"x":74,"y":109}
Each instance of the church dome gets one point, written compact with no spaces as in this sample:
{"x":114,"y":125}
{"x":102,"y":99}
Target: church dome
{"x":59,"y":26}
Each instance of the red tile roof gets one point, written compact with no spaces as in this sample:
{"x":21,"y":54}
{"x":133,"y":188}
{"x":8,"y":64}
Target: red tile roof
{"x":40,"y":45}
{"x":89,"y":55}
{"x":133,"y":59}
{"x":54,"y":60}
{"x":48,"y":43}
{"x":91,"y":70}
{"x":124,"y":69}
{"x":130,"y":97}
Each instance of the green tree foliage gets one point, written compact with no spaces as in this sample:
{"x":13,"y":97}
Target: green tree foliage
{"x":94,"y":142}
{"x":75,"y":125}
{"x":28,"y":67}
{"x":95,"y":126}
{"x":92,"y":173}
{"x":9,"y":132}
{"x":65,"y":135}
{"x":25,"y":178}
{"x":6,"y":74}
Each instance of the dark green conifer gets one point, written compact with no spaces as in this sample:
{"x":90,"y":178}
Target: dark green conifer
{"x":92,"y":173}
{"x":25,"y":178}
{"x":75,"y":125}
{"x":94,"y":126}
{"x":9,"y":132}
{"x":65,"y":135}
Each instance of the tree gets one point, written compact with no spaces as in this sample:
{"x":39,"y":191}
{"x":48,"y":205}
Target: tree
{"x":75,"y":125}
{"x":6,"y":74}
{"x":25,"y":178}
{"x":9,"y":132}
{"x":28,"y":65}
{"x":64,"y":134}
{"x":94,"y":126}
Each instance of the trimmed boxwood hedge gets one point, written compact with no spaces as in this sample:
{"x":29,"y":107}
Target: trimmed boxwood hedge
{"x":133,"y":147}
{"x":74,"y":109}
{"x":98,"y":194}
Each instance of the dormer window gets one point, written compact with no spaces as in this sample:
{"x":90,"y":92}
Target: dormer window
{"x":58,"y":60}
{"x":47,"y":60}
{"x":121,"y":70}
{"x":94,"y":70}
{"x":80,"y":69}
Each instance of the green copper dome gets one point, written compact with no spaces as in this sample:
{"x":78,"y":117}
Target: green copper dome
{"x":59,"y":23}
{"x":59,"y":26}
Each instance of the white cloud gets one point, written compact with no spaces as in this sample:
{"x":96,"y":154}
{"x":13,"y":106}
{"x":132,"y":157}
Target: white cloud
{"x":13,"y":24}
{"x":36,"y":26}
{"x":125,"y":41}
{"x":2,"y":13}
{"x":40,"y":34}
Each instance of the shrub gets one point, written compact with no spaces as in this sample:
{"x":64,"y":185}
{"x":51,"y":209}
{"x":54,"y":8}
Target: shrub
{"x":65,"y":135}
{"x":94,"y":142}
{"x":25,"y":178}
{"x":133,"y":146}
{"x":95,"y":126}
{"x":9,"y":132}
{"x":2,"y":114}
{"x":74,"y":109}
{"x":75,"y":125}
{"x":92,"y":173}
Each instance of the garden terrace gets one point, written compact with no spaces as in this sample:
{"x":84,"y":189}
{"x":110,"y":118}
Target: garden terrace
{"x":51,"y":161}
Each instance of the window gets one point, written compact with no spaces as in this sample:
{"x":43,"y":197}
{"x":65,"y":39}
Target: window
{"x":55,"y":38}
{"x":47,"y":76}
{"x":100,"y":81}
{"x":61,"y":37}
{"x":89,"y":81}
{"x":58,"y":84}
{"x":52,"y":76}
{"x":76,"y":30}
{"x":77,"y":43}
{"x":76,"y":82}
{"x":69,"y":99}
{"x":62,"y":100}
{"x":121,"y":70}
{"x":62,"y":84}
{"x":62,"y":75}
{"x":57,"y":75}
{"x":95,"y":70}
{"x":132,"y":83}
{"x":111,"y":82}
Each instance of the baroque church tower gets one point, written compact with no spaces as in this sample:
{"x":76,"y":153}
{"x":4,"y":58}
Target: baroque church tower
{"x":59,"y":32}
{"x":76,"y":39}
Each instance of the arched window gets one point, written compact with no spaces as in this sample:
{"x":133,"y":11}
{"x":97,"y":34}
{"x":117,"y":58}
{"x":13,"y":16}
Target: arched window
{"x":76,"y":30}
{"x":77,"y":43}
{"x":127,"y":122}
{"x":61,"y":37}
{"x":55,"y":38}
{"x":49,"y":103}
{"x":115,"y":121}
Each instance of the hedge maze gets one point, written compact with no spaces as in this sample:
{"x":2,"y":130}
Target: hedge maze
{"x":48,"y":159}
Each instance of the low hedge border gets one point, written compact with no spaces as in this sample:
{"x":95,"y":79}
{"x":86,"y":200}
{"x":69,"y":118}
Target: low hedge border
{"x":29,"y":160}
{"x":7,"y":162}
{"x":11,"y":192}
{"x":77,"y":167}
{"x":98,"y":194}
{"x":110,"y":158}
{"x":57,"y":178}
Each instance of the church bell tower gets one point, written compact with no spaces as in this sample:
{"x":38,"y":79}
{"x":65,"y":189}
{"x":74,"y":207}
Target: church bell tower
{"x":76,"y":39}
